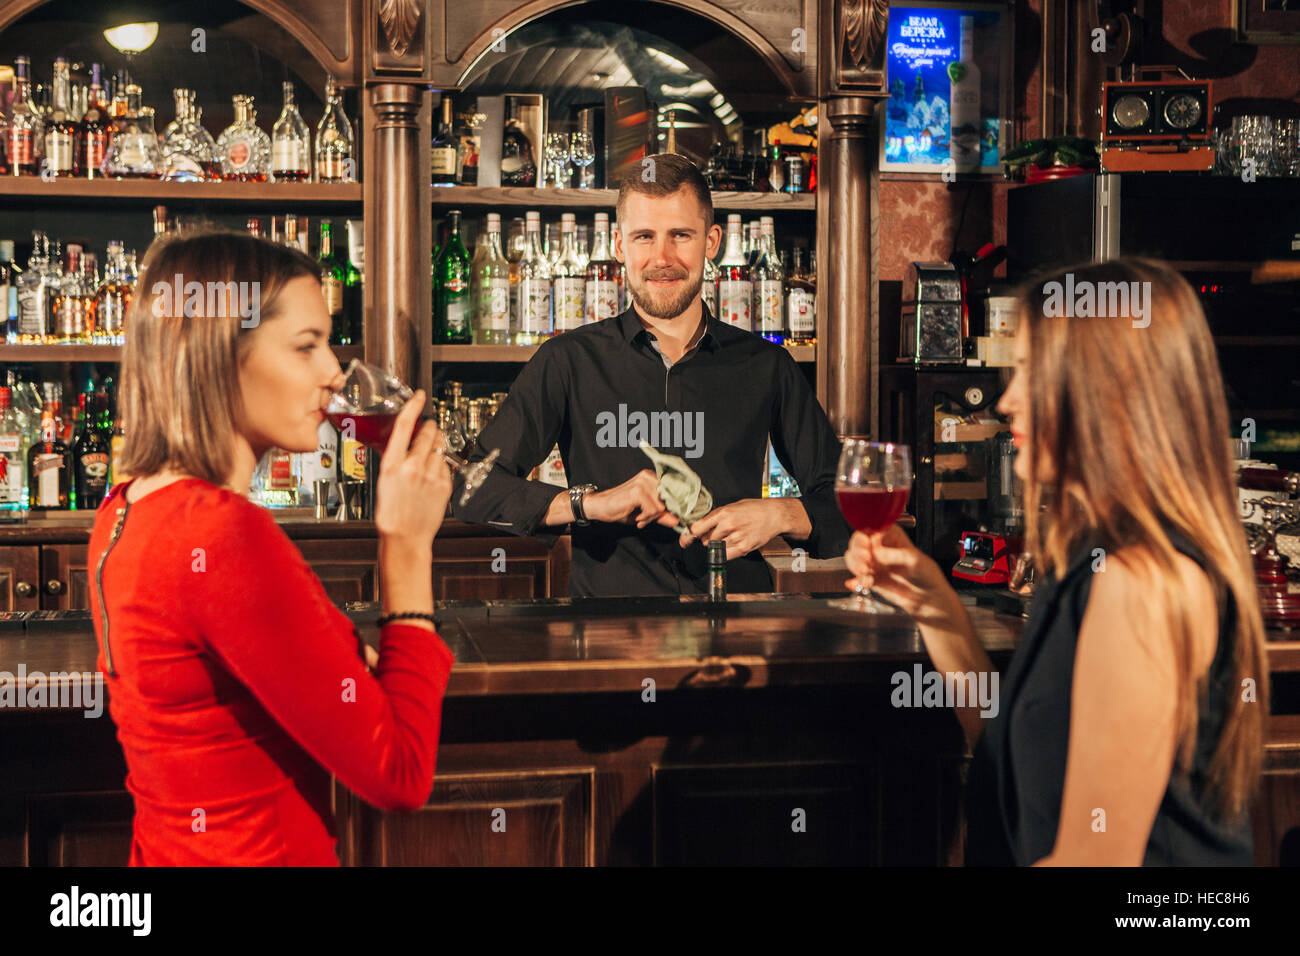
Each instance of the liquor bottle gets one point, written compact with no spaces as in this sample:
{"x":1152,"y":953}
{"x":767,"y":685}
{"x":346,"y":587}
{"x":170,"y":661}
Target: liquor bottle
{"x":279,"y":479}
{"x":465,"y":127}
{"x":735,"y":291}
{"x":91,"y":457}
{"x":189,"y":152}
{"x":12,"y":463}
{"x":93,"y":136}
{"x":118,"y":107}
{"x":518,"y":167}
{"x":245,"y":150}
{"x":551,"y":245}
{"x":277,"y":230}
{"x":769,"y":287}
{"x":133,"y":151}
{"x":49,"y":465}
{"x":116,"y":445}
{"x":61,"y":128}
{"x":354,"y":282}
{"x":491,"y":284}
{"x":964,"y":115}
{"x":800,"y":313}
{"x":106,"y":405}
{"x":112,"y":299}
{"x":776,"y":168}
{"x":89,"y":282}
{"x":709,"y":287}
{"x":583,"y":245}
{"x":26,"y":134}
{"x":55,"y":277}
{"x":34,"y":297}
{"x":161,"y":225}
{"x":451,"y":325}
{"x":333,"y":278}
{"x":602,"y":275}
{"x":335,"y":151}
{"x":320,"y":465}
{"x":8,"y":292}
{"x":444,"y":148}
{"x":291,"y":230}
{"x":751,"y":243}
{"x":534,"y":287}
{"x":569,"y":292}
{"x":514,"y":255}
{"x":812,"y":277}
{"x":69,"y":302}
{"x":290,"y":143}
{"x":253,"y":227}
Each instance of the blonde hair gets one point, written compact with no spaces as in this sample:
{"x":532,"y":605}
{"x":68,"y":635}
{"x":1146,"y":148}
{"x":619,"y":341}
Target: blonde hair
{"x":1132,"y":424}
{"x":180,"y":365}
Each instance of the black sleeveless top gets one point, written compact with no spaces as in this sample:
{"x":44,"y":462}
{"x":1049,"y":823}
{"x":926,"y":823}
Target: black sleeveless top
{"x":1017,"y":775}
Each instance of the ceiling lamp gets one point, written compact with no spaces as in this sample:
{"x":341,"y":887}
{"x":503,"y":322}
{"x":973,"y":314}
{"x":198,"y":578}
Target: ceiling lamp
{"x":132,"y":37}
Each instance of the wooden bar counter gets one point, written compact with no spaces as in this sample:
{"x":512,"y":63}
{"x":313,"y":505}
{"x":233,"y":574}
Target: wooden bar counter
{"x":610,"y":732}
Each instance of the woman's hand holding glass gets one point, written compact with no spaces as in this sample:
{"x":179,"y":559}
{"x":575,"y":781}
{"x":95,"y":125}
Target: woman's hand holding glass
{"x":890,"y":564}
{"x":414,"y":482}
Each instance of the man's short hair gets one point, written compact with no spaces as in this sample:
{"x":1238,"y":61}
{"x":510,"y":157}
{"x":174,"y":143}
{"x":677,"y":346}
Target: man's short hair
{"x":662,"y":175}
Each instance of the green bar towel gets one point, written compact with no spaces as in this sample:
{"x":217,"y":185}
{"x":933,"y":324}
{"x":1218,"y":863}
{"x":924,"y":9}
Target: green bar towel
{"x":680,"y":488}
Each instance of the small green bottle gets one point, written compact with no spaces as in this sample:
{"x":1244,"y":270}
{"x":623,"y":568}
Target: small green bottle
{"x":451,"y":291}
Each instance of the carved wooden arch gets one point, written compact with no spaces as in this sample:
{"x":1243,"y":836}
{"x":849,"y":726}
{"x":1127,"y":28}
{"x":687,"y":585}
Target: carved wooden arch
{"x":298,"y":24}
{"x":726,"y":19}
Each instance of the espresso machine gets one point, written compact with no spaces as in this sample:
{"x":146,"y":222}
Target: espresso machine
{"x":991,"y":554}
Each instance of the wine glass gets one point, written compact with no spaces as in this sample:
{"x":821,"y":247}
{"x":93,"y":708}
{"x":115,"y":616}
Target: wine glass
{"x":872,"y":482}
{"x":583,"y":151}
{"x":368,"y":404}
{"x":557,"y":153}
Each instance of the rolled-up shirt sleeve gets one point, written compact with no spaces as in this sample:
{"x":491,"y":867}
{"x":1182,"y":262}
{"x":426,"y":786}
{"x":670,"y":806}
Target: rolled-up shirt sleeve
{"x":808,"y":449}
{"x":525,"y":429}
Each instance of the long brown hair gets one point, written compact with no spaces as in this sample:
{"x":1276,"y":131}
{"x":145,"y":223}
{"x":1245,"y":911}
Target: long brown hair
{"x":1127,"y":409}
{"x":180,"y":366}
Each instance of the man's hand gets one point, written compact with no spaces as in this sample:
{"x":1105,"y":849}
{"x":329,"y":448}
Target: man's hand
{"x":636,"y":499}
{"x":744,"y":525}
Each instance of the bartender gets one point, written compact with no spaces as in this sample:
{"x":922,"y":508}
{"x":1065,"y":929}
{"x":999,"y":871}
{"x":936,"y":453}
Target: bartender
{"x":666,"y":372}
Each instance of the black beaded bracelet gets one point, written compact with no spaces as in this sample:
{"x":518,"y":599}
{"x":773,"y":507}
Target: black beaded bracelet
{"x":389,"y":618}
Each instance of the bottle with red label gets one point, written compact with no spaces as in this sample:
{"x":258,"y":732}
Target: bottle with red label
{"x":12,"y":502}
{"x":25,"y":136}
{"x":49,"y":465}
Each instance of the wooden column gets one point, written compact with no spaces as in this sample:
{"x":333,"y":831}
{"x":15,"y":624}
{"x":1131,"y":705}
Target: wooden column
{"x":398,"y":316}
{"x":844,"y":268}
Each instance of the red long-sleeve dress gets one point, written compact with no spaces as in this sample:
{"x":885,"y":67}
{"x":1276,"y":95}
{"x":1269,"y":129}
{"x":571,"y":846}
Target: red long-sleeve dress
{"x":237,"y":688}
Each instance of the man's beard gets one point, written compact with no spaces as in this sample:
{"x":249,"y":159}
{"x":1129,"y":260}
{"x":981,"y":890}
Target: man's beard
{"x":665,"y":305}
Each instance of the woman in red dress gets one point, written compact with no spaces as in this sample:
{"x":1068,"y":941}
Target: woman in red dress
{"x":236,"y":686}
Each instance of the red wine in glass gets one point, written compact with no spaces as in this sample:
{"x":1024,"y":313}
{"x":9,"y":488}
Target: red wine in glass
{"x":871,"y":508}
{"x":371,"y":428}
{"x":872,"y":481}
{"x":368,"y":404}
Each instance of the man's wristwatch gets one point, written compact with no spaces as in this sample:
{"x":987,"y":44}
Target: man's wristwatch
{"x":576,"y":494}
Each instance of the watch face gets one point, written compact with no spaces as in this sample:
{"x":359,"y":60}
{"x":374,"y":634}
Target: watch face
{"x":1130,"y":111}
{"x":1183,"y":111}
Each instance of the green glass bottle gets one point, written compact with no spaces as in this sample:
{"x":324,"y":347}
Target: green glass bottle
{"x":451,"y":293}
{"x":333,"y":276}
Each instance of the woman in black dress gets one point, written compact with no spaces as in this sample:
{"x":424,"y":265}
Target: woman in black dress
{"x":1129,"y":724}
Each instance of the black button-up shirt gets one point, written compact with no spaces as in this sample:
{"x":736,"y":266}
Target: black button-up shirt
{"x":601,"y":389}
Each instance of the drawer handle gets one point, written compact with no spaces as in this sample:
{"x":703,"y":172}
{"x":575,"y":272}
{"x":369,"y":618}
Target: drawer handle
{"x":53,"y":586}
{"x":24,"y":589}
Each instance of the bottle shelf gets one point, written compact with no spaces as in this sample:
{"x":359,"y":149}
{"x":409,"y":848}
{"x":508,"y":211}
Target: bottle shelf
{"x":606,"y":198}
{"x":522,"y":353}
{"x":111,"y":353}
{"x":154,"y":190}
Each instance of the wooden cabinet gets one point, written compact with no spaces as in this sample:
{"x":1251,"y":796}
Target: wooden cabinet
{"x":20,"y":579}
{"x":348,"y":569}
{"x":65,"y":578}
